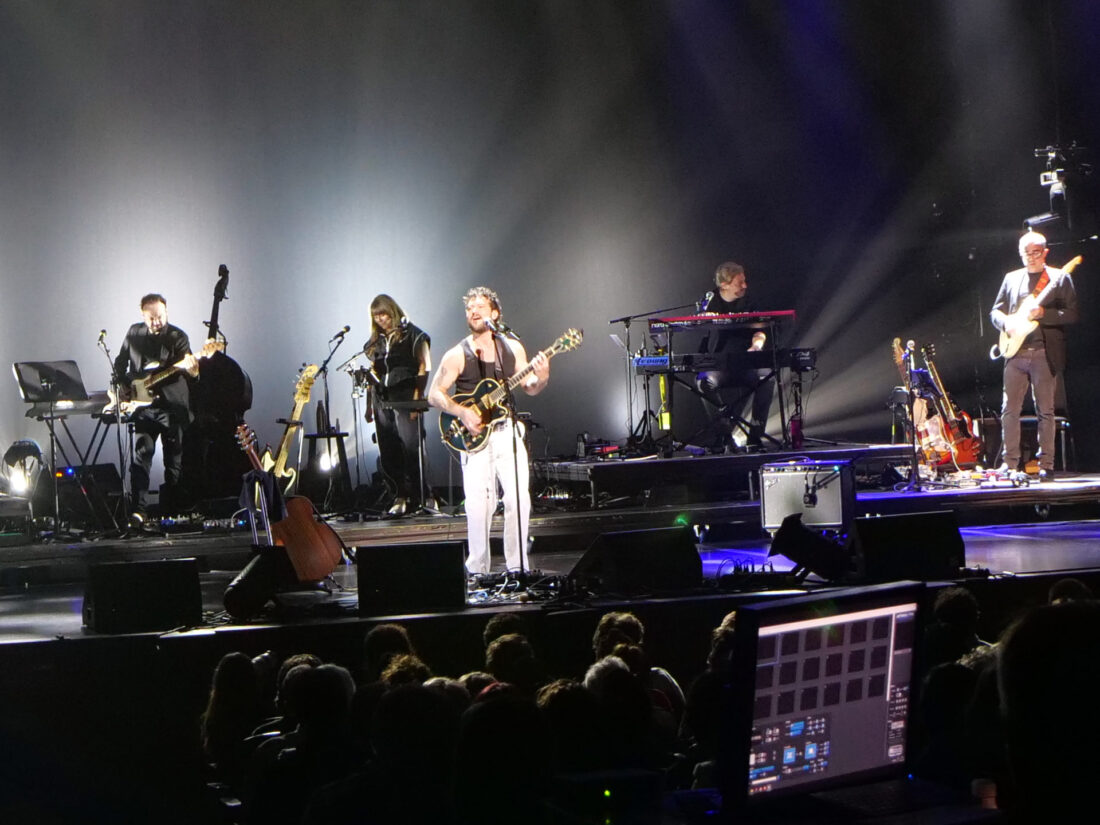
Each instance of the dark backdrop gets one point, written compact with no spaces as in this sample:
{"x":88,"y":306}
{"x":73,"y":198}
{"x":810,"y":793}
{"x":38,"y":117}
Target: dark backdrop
{"x":870,"y":163}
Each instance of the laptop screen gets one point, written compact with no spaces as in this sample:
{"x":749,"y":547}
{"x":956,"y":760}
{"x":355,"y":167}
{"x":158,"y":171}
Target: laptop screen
{"x":826,"y":686}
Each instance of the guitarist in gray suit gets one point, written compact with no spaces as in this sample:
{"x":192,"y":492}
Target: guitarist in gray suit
{"x":1032,"y":308}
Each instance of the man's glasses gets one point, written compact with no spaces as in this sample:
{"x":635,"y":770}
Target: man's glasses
{"x":1032,"y":253}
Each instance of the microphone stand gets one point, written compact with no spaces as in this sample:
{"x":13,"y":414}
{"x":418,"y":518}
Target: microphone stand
{"x":914,"y":485}
{"x":644,"y":434}
{"x":123,"y":465}
{"x":323,"y":370}
{"x":511,"y":402}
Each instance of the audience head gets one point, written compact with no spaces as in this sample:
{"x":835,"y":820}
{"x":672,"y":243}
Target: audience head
{"x":510,"y":658}
{"x":616,"y":627}
{"x":721,"y":643}
{"x":304,"y":660}
{"x":452,"y":689}
{"x":502,"y":624}
{"x":380,"y":645}
{"x":957,"y":607}
{"x":475,"y":682}
{"x":405,"y":669}
{"x":322,"y":699}
{"x":1069,"y":589}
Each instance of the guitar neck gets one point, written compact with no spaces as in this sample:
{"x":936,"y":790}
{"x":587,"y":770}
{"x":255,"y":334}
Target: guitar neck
{"x":283,"y":451}
{"x":500,"y":393}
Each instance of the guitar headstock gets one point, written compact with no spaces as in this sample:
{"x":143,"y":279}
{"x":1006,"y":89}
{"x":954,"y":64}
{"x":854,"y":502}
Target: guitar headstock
{"x":305,"y":382}
{"x":210,"y":347}
{"x":928,"y":351}
{"x":568,"y":340}
{"x":246,"y":437}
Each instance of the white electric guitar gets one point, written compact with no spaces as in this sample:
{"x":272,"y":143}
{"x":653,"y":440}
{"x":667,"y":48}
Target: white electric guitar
{"x":1019,"y":325}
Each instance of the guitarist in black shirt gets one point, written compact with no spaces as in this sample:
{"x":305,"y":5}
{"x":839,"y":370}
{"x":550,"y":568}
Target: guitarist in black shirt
{"x":151,"y":346}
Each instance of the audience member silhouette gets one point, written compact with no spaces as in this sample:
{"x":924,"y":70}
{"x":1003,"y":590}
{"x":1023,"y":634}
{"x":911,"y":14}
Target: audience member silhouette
{"x":627,"y":715}
{"x":502,"y":624}
{"x":382,"y":643}
{"x":1069,"y":589}
{"x":281,"y":721}
{"x":475,"y":681}
{"x":405,"y":669}
{"x":573,"y":719}
{"x":510,"y":658}
{"x":702,"y":722}
{"x":232,"y":711}
{"x":408,"y":779}
{"x":1048,"y":673}
{"x":938,"y":725}
{"x":620,"y":627}
{"x":320,"y":752}
{"x":502,"y":763}
{"x":953,"y":631}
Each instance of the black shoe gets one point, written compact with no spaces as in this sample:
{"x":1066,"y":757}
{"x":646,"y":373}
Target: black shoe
{"x":1046,"y":475}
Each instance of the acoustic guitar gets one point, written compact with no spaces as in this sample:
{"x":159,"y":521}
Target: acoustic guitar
{"x":313,"y":547}
{"x":1018,"y":325}
{"x":488,"y":398}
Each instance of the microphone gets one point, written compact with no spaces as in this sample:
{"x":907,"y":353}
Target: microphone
{"x":340,"y":335}
{"x":500,"y":328}
{"x":404,"y":322}
{"x":102,"y":335}
{"x":703,"y":304}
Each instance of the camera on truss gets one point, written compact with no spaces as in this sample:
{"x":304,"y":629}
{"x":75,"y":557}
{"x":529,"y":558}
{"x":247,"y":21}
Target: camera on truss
{"x":1073,"y":193}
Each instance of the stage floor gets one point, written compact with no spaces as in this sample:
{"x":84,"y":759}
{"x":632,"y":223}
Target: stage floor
{"x":52,"y":611}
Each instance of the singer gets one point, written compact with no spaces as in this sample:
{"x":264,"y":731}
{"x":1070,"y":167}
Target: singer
{"x":726,"y":393}
{"x":400,"y":354}
{"x":152,"y":345}
{"x":503,"y":461}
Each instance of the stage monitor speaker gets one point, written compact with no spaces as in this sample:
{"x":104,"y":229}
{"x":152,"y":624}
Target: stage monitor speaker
{"x":143,"y":596}
{"x":411,"y":578}
{"x":634,"y":561}
{"x":268,"y":571}
{"x":920,"y":546}
{"x":823,"y":492}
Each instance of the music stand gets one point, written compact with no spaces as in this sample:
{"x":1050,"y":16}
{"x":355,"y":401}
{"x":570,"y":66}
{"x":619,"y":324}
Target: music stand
{"x":57,"y":384}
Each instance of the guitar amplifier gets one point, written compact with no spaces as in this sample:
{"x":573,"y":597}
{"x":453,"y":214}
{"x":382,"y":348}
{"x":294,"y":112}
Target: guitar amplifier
{"x":824,"y":492}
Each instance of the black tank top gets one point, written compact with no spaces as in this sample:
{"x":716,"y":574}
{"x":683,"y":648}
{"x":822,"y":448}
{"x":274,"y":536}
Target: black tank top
{"x":475,"y":370}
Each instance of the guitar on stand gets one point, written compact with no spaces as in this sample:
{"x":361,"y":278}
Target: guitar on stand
{"x":925,"y":423}
{"x":489,"y":398}
{"x":276,"y":462}
{"x":966,"y":449}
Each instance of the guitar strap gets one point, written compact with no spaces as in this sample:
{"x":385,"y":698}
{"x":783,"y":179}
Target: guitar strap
{"x":1041,"y":284}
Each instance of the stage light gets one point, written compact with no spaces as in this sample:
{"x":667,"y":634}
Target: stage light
{"x":24,"y":462}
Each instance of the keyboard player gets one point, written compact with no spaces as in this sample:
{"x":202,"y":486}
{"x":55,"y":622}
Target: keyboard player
{"x":726,"y":392}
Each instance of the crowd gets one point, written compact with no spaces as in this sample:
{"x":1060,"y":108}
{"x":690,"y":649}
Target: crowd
{"x":303,"y":741}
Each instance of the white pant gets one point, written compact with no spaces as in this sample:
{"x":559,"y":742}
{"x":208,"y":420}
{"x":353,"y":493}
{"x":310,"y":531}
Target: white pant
{"x":481,"y":471}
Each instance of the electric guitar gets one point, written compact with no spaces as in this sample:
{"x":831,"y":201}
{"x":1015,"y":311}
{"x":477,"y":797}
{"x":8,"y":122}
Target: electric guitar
{"x":966,"y":449}
{"x":313,"y":547}
{"x":275,"y":463}
{"x":1018,"y":325}
{"x":930,"y":427}
{"x":488,"y":399}
{"x":141,"y":391}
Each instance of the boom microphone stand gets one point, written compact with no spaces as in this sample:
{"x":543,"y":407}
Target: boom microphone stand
{"x":914,"y":485}
{"x":644,"y":434}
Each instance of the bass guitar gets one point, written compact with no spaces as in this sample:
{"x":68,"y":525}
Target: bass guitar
{"x":141,"y":391}
{"x":966,"y":449}
{"x":1018,"y":325}
{"x":312,"y":546}
{"x":275,"y":463}
{"x":488,"y":398}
